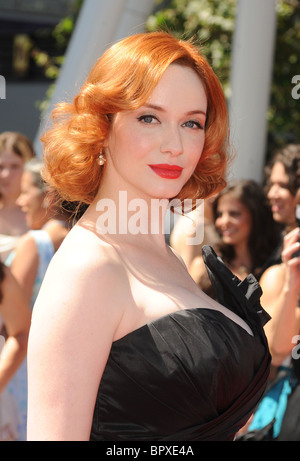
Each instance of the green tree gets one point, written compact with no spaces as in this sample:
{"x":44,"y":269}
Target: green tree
{"x":51,"y":65}
{"x":210,"y":22}
{"x":284,"y":110}
{"x":61,"y":34}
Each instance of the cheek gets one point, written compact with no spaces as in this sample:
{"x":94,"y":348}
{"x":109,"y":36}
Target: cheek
{"x":17,"y":174}
{"x":126,"y":145}
{"x":195,"y":151}
{"x":218,"y":223}
{"x":285,"y":195}
{"x":35,"y":199}
{"x":245,"y":225}
{"x":290,"y":200}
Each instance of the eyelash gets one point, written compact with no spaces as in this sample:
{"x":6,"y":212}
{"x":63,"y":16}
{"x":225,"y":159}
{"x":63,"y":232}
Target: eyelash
{"x":198,"y":125}
{"x":142,"y":118}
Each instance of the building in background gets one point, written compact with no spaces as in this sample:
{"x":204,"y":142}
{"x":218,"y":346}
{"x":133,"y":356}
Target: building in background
{"x":25,"y":27}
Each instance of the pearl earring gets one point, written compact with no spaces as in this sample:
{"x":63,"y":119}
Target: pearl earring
{"x":101,"y":159}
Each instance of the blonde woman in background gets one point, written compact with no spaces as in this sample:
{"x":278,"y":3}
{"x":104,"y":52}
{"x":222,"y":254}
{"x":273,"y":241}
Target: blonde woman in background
{"x":15,"y":150}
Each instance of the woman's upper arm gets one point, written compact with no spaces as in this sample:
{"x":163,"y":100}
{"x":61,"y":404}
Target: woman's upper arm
{"x":25,"y":264}
{"x":72,"y":330}
{"x":14,"y":309}
{"x":271,"y":283}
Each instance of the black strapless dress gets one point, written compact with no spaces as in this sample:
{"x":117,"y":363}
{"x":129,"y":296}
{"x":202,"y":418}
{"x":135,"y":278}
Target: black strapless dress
{"x":190,"y":375}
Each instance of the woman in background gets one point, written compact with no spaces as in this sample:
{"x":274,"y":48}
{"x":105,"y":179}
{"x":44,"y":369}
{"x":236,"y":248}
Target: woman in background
{"x":282,"y":185}
{"x":15,"y":150}
{"x":248,"y":233}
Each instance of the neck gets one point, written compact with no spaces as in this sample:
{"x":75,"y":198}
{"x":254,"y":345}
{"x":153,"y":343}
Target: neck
{"x":129,"y":218}
{"x":242,"y":256}
{"x":290,"y":226}
{"x":47,"y":216}
{"x":8,"y":202}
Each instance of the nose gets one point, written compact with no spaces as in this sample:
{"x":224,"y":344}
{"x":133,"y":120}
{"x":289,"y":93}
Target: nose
{"x":20,"y":201}
{"x":273,"y":191}
{"x":222,"y":221}
{"x":172,"y":141}
{"x":4,"y":172}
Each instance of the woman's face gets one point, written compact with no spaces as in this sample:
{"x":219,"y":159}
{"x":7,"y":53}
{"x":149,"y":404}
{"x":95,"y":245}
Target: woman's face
{"x":283,"y":203}
{"x":152,"y":151}
{"x":31,"y":202}
{"x":233,"y":220}
{"x":11,"y":169}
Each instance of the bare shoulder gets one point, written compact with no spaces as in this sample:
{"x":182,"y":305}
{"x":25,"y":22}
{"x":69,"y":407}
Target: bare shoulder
{"x":75,"y":320}
{"x":198,"y":263}
{"x":271,"y":283}
{"x":273,"y":277}
{"x":84,"y":278}
{"x":26,"y":246}
{"x":197,"y":268}
{"x":83,"y":249}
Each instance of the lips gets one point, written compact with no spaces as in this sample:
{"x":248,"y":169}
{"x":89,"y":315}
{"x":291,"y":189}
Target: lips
{"x":276,"y":208}
{"x":227,"y":232}
{"x":167,"y":171}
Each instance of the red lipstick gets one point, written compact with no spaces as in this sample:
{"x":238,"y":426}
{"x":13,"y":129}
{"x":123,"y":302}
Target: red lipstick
{"x":167,"y":171}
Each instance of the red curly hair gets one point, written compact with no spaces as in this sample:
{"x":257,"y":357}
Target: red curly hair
{"x":123,"y":79}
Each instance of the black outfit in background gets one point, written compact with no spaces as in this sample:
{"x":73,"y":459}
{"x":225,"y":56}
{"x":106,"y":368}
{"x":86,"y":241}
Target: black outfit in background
{"x":190,"y":375}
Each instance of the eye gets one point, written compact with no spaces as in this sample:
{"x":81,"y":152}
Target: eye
{"x":235,"y":214}
{"x":194,"y":124}
{"x":148,"y":119}
{"x":15,"y":166}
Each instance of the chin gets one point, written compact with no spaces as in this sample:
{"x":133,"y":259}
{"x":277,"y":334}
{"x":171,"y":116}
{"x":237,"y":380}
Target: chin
{"x":278,"y":218}
{"x":30,"y":224}
{"x":228,"y":241}
{"x":167,"y":193}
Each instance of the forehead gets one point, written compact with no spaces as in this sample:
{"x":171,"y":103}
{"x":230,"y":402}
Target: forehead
{"x":230,"y":202}
{"x":180,"y":84}
{"x":10,"y":156}
{"x":27,"y":178}
{"x":278,"y":173}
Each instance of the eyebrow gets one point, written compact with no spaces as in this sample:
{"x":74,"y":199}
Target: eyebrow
{"x":191,"y":112}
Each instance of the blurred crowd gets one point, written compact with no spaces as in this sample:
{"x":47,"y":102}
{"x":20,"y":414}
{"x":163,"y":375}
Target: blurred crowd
{"x":253,"y":227}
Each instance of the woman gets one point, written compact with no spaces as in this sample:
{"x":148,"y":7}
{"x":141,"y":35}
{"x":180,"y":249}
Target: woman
{"x":282,"y":184}
{"x":14,"y":324}
{"x":248,"y":233}
{"x":15,"y":150}
{"x":31,"y":257}
{"x":116,"y":346}
{"x":278,"y":415}
{"x":48,"y":228}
